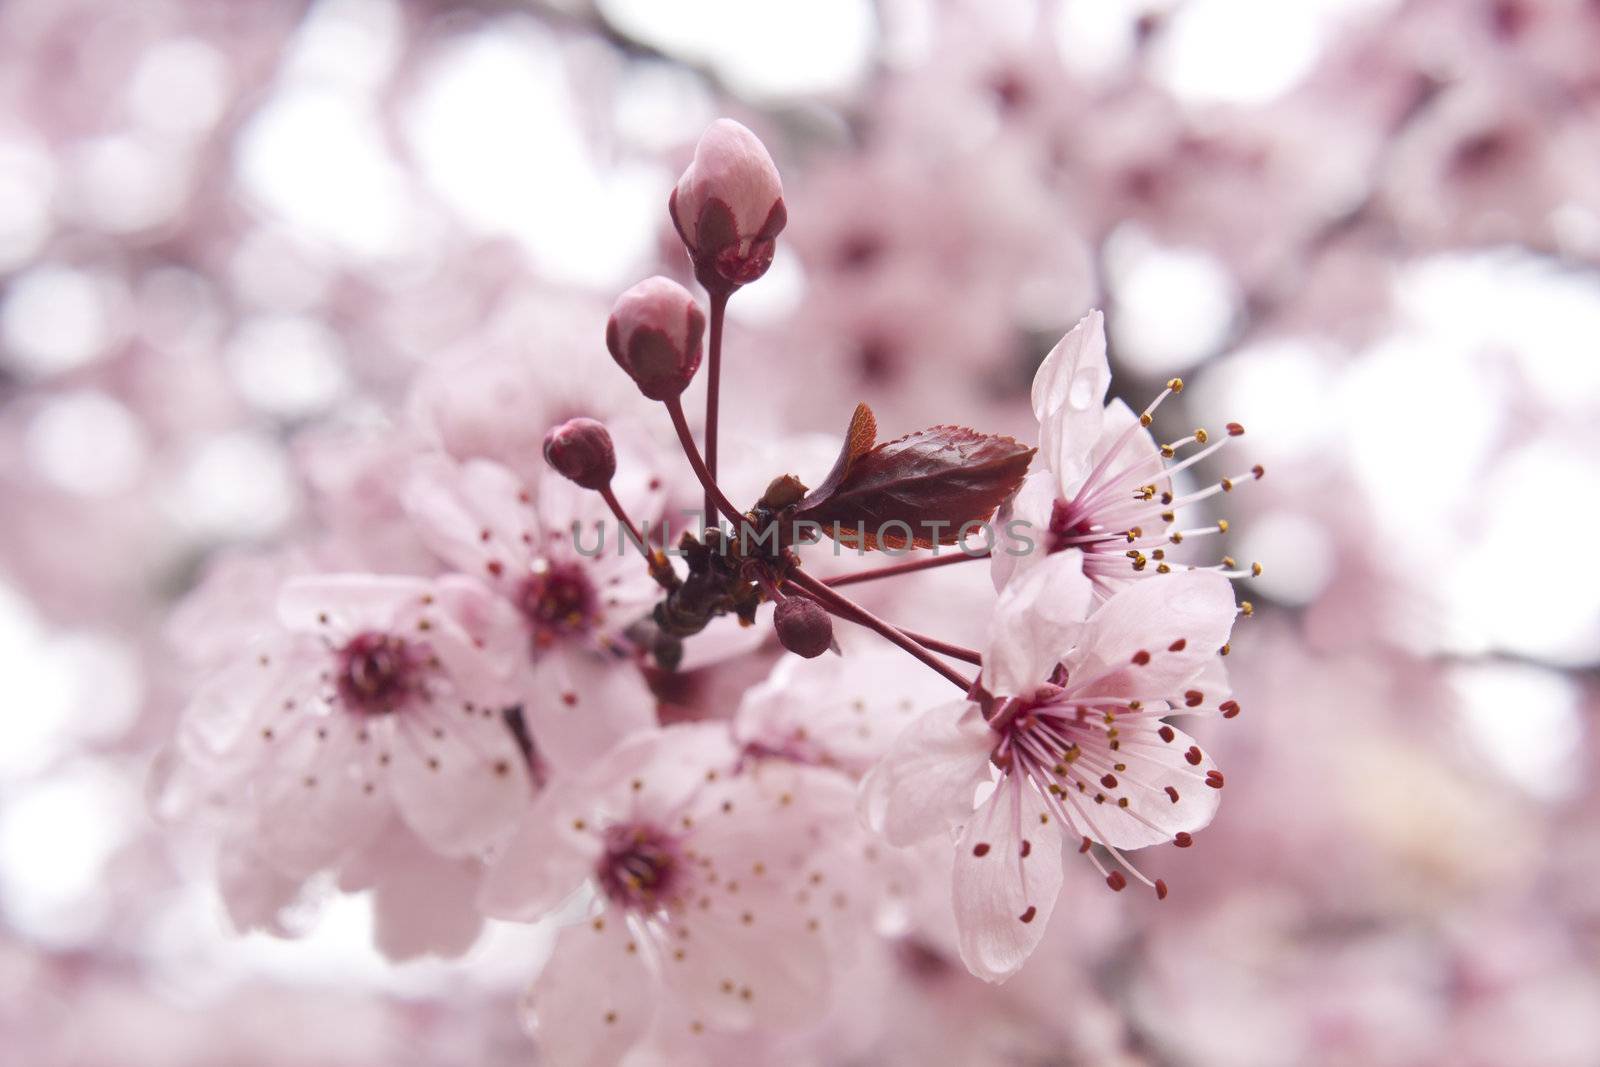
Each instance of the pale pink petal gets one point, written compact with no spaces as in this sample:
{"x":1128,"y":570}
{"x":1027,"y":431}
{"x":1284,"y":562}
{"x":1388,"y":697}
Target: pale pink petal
{"x":1119,"y":419}
{"x":1036,"y":620}
{"x":1164,"y":784}
{"x":1150,"y":638}
{"x":543,"y":864}
{"x":1007,"y":877}
{"x":843,"y":711}
{"x":1022,"y":528}
{"x":755,"y":951}
{"x":1068,"y":395}
{"x":472,"y":516}
{"x":926,"y":783}
{"x":319,"y":795}
{"x":1206,"y":692}
{"x":584,"y":702}
{"x":750,"y":958}
{"x":424,"y":904}
{"x":485,"y":647}
{"x":595,"y":997}
{"x":259,"y":897}
{"x":343,"y":605}
{"x":222,"y":727}
{"x":458,"y":776}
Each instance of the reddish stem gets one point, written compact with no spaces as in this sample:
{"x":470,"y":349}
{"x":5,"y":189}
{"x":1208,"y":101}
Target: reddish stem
{"x":719,"y":307}
{"x":945,"y":648}
{"x":715,"y":501}
{"x":849,"y":610}
{"x":903,"y":568}
{"x":660,"y":568}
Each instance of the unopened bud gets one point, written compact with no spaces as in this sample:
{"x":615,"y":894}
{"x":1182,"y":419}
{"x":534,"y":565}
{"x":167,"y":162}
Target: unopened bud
{"x":654,"y":334}
{"x":728,"y":207}
{"x":803,"y":626}
{"x":581,"y":451}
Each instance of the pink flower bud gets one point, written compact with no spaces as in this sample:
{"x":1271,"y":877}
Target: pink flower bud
{"x":728,"y":207}
{"x":581,"y":451}
{"x":803,"y":626}
{"x":654,"y":334}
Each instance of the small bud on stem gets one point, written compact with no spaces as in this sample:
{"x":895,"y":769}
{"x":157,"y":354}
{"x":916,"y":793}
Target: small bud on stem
{"x":654,"y":334}
{"x":728,"y":207}
{"x":580,"y":450}
{"x":804,"y":628}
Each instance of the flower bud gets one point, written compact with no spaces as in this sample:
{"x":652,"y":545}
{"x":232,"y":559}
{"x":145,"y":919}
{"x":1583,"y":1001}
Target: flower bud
{"x":654,"y":334}
{"x":803,"y":626}
{"x":581,"y":451}
{"x":728,"y":207}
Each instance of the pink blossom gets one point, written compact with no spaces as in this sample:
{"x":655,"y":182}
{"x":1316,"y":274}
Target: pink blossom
{"x":1108,"y":488}
{"x":835,"y":711}
{"x":1076,"y":733}
{"x":700,"y":917}
{"x":377,"y":697}
{"x":561,"y":613}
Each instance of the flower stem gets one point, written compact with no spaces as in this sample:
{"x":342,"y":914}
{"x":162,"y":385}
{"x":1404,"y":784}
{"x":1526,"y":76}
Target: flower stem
{"x":715,"y":501}
{"x":719,"y":308}
{"x":849,"y":610}
{"x":660,"y":568}
{"x":903,"y":568}
{"x":945,"y":648}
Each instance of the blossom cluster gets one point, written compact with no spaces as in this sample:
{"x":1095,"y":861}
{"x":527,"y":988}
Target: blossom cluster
{"x":474,"y":704}
{"x":269,"y":272}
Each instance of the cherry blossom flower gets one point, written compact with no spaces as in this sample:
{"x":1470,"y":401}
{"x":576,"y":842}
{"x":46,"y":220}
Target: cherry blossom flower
{"x":1077,"y":736}
{"x":1108,"y":487}
{"x":570,"y":596}
{"x":835,"y":711}
{"x":377,"y":698}
{"x":707,"y":906}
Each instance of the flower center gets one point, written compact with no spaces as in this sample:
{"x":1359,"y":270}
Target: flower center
{"x":559,"y":602}
{"x":378,"y":673}
{"x":639,"y":868}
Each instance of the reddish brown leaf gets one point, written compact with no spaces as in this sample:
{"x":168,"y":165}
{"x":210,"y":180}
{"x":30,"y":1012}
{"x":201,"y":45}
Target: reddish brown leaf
{"x":858,"y":441}
{"x":917,"y":490}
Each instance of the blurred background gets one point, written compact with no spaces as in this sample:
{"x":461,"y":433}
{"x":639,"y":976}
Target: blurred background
{"x":1369,"y":230}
